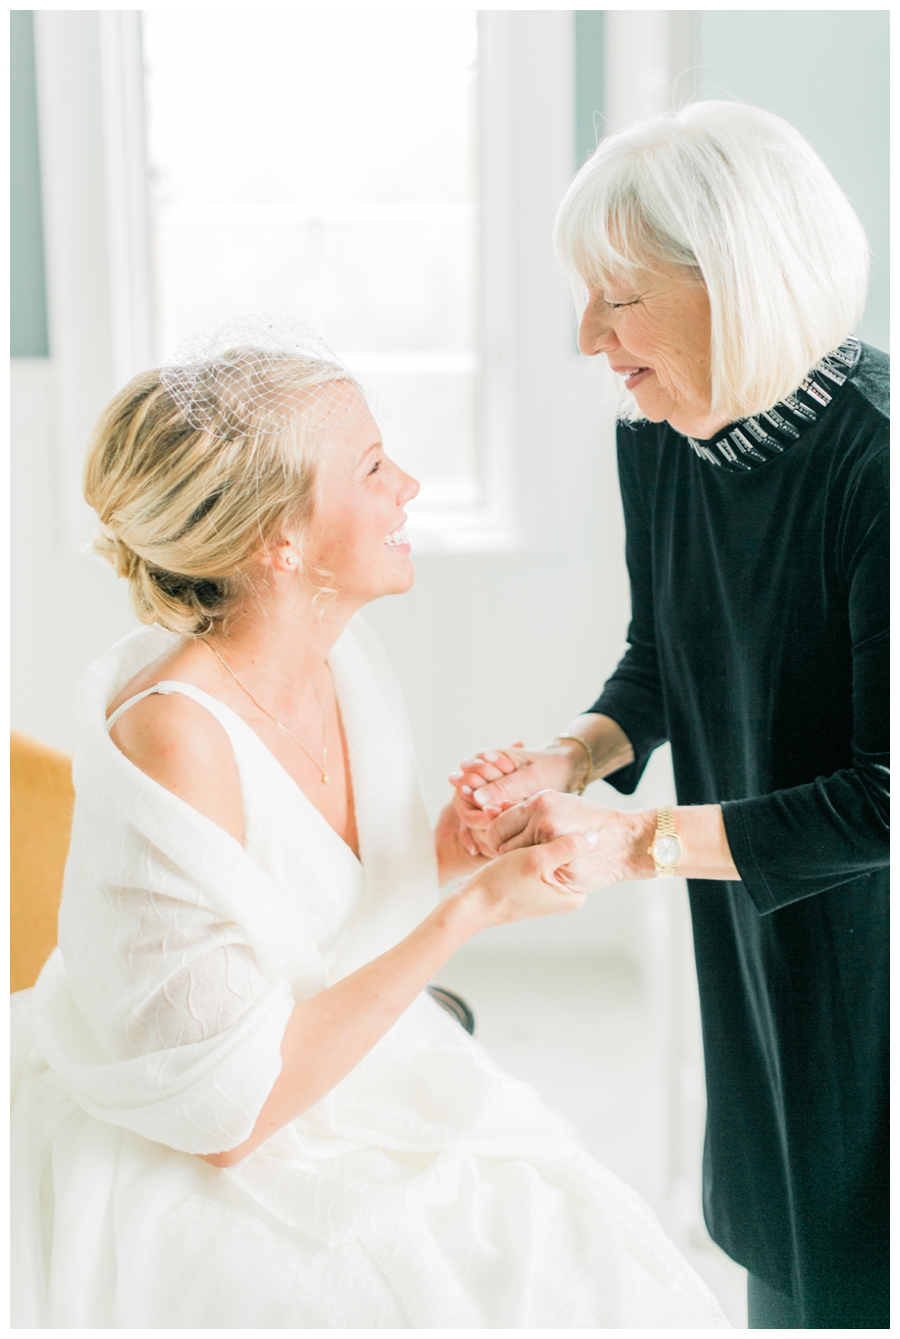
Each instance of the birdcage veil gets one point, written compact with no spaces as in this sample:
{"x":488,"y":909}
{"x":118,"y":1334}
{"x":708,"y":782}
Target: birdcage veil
{"x":263,"y":374}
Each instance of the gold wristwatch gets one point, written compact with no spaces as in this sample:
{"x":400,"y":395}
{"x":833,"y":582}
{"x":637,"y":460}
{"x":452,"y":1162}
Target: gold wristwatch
{"x":666,"y":849}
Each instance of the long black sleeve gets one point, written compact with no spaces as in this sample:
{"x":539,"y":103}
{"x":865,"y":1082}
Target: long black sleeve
{"x":795,"y":842}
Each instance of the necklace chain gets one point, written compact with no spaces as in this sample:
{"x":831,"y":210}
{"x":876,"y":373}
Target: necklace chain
{"x":323,"y":765}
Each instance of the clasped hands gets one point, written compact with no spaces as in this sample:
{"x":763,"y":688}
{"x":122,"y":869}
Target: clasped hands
{"x":515,"y":797}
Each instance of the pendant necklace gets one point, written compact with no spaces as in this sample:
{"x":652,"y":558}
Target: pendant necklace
{"x":322,"y":766}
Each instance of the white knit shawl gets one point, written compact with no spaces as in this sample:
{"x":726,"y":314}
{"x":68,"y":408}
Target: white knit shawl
{"x":180,"y":957}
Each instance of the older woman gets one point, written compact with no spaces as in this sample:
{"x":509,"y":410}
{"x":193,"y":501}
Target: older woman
{"x":725,"y":272}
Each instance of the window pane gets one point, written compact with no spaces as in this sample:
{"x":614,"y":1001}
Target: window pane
{"x":323,"y":165}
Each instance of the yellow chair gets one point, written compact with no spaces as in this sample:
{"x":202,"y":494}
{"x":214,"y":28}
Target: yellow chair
{"x":40,"y":821}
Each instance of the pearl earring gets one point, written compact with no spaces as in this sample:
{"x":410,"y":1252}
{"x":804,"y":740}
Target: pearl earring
{"x":291,"y":560}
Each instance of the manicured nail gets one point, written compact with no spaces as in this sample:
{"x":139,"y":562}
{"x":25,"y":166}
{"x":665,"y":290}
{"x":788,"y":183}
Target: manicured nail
{"x":468,"y":762}
{"x":482,"y":795}
{"x":489,"y":757}
{"x":466,"y":790}
{"x":454,"y":776}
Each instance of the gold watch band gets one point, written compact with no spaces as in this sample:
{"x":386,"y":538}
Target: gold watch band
{"x":666,"y":836}
{"x":665,"y":821}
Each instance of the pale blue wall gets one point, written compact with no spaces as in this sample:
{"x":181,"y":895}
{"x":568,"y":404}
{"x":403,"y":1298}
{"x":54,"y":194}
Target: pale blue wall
{"x":27,"y":296}
{"x":827,"y":72}
{"x":590,"y":80}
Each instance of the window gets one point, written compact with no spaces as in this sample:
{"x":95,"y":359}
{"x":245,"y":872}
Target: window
{"x":324,"y":165}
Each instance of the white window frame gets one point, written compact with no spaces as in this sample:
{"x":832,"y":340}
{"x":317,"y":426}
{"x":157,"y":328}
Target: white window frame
{"x":99,"y":263}
{"x":491,"y":526}
{"x":93,"y":176}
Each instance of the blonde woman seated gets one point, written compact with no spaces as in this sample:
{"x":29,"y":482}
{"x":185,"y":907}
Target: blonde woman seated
{"x":236,"y":1106}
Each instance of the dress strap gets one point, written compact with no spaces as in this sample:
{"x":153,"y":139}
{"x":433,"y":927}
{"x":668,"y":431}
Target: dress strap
{"x":224,"y":715}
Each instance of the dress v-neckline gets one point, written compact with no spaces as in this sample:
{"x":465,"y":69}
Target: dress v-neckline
{"x":296,"y":785}
{"x":183,"y":683}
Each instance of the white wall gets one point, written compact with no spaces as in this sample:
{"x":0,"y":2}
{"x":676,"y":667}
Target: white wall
{"x":66,"y":607}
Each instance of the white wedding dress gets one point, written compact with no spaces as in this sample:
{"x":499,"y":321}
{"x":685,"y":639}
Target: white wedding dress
{"x":427,"y":1190}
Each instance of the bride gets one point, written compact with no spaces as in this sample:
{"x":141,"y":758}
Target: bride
{"x":234,"y":1104}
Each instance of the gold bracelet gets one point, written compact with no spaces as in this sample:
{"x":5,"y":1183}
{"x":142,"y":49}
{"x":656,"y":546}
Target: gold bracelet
{"x":590,"y":760}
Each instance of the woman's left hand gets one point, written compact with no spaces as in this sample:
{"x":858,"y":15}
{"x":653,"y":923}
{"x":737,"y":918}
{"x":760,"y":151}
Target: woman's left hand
{"x":624,"y":837}
{"x":455,"y":847}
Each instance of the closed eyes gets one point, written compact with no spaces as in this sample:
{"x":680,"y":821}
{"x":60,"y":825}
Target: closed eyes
{"x":600,"y":305}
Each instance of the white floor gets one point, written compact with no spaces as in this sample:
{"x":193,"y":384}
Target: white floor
{"x":581,"y":1030}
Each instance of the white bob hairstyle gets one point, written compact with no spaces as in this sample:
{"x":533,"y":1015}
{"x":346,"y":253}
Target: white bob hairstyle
{"x":739,"y":197}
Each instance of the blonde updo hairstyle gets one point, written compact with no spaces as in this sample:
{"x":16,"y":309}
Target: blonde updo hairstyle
{"x":185,"y":510}
{"x":735,"y":197}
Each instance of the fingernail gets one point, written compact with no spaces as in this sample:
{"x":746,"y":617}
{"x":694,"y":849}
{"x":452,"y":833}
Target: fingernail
{"x":468,"y":762}
{"x":466,"y":790}
{"x":591,"y":838}
{"x":482,"y":795}
{"x":454,"y":776}
{"x":490,"y":757}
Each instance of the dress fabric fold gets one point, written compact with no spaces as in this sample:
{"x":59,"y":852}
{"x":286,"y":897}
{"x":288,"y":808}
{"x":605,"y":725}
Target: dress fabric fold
{"x":428,"y":1189}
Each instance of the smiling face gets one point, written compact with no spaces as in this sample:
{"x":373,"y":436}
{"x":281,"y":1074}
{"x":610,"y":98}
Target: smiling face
{"x":357,"y":531}
{"x":654,"y":328}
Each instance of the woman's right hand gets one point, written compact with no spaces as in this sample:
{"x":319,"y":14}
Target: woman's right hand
{"x":496,"y":778}
{"x":529,"y":882}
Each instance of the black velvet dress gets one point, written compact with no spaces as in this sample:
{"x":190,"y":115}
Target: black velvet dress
{"x":759,"y":648}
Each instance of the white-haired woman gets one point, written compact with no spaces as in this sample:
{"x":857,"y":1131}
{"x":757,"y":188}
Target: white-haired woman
{"x":725,"y":271}
{"x":235,"y":1105}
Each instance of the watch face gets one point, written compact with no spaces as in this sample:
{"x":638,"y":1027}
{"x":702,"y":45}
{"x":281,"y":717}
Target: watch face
{"x":666,"y":850}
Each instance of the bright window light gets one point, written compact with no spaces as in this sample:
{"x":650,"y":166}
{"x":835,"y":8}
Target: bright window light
{"x":323,"y":165}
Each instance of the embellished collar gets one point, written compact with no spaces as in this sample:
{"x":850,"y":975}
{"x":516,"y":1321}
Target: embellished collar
{"x":753,"y":441}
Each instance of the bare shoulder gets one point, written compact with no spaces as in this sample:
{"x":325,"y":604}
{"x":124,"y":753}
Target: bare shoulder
{"x":179,"y":663}
{"x":181,"y":745}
